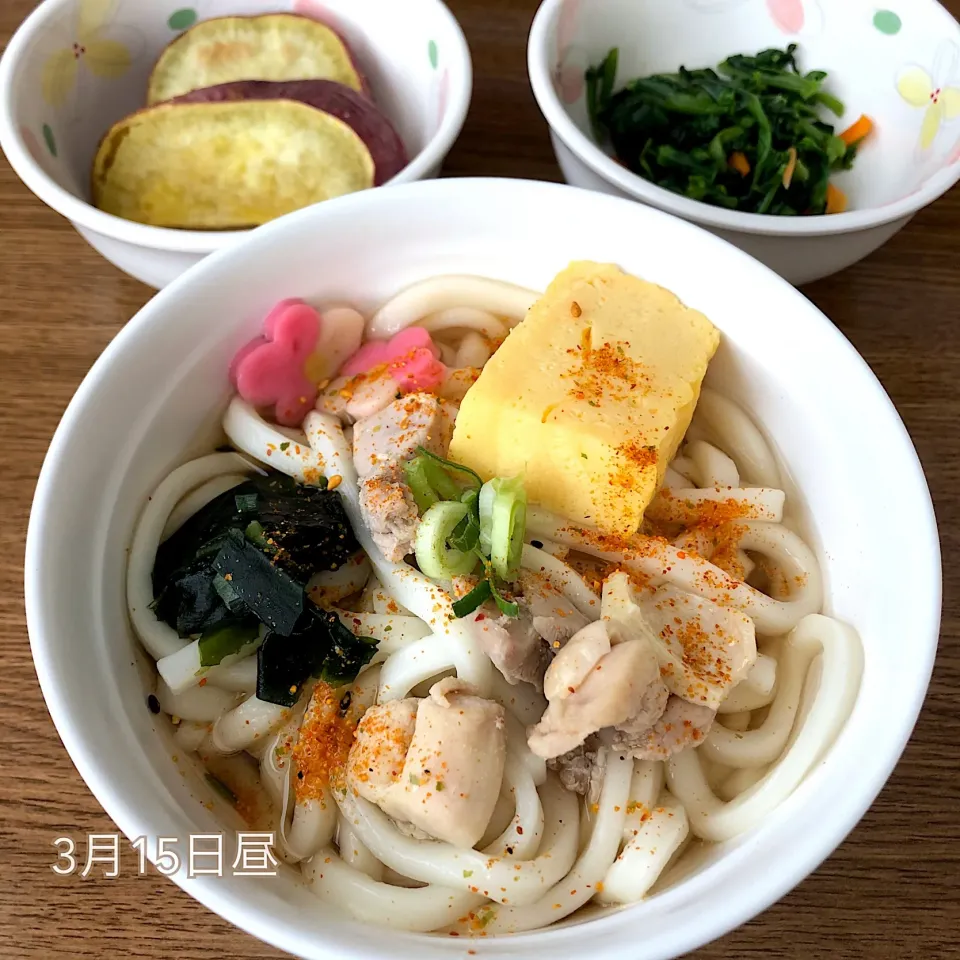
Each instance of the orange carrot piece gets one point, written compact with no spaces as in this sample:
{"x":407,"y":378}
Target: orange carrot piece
{"x":790,"y":168}
{"x":739,"y":162}
{"x":857,"y":131}
{"x":836,"y":199}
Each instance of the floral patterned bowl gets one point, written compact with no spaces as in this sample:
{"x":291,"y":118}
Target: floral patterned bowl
{"x":898,"y":61}
{"x":75,"y":67}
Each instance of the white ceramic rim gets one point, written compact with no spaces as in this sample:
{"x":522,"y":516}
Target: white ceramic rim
{"x":538,"y":66}
{"x":762,"y":881}
{"x":192,"y":241}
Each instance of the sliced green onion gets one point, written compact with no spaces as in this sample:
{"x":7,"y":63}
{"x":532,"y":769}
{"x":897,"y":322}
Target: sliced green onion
{"x":503,"y":517}
{"x":226,"y":639}
{"x":475,"y":598}
{"x":434,"y":556}
{"x":441,"y":480}
{"x":450,"y":465}
{"x":415,"y":474}
{"x":429,"y":482}
{"x":507,"y":607}
{"x":466,"y":536}
{"x":257,"y":536}
{"x":488,"y":494}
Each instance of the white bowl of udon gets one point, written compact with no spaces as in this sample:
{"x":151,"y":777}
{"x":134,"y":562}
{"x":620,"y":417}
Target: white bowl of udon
{"x":674,"y":839}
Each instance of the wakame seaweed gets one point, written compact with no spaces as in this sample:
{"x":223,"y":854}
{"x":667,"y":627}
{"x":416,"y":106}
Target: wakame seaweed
{"x":303,"y":529}
{"x":320,"y":646}
{"x":243,"y":561}
{"x":190,"y":602}
{"x":306,"y":526}
{"x":748,"y":136}
{"x":270,"y":593}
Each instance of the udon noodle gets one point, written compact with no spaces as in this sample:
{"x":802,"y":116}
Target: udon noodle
{"x":599,"y":824}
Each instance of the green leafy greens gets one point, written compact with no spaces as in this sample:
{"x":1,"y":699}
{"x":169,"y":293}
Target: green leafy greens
{"x":748,"y":136}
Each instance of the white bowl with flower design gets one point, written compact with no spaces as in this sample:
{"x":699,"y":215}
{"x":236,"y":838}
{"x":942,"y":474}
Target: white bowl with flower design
{"x":75,"y":67}
{"x":897,"y":61}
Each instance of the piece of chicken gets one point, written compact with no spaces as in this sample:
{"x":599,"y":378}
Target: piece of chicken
{"x":380,"y":748}
{"x":355,"y":398}
{"x":593,"y":683}
{"x":514,"y":646}
{"x":521,"y":648}
{"x":381,"y":444}
{"x":391,"y":515}
{"x":704,"y":649}
{"x":681,"y":725}
{"x":555,"y":618}
{"x":452,"y":761}
{"x":458,"y":382}
{"x":581,"y":770}
{"x":392,"y":435}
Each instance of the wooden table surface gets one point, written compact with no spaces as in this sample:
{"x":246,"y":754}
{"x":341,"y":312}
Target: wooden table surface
{"x":891,"y":891}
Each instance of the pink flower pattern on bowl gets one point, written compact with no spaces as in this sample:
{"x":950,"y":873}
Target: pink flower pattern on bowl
{"x":568,"y":76}
{"x":319,"y":12}
{"x":790,"y":17}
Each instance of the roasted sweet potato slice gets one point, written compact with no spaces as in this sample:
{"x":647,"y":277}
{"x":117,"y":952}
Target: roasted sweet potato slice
{"x":367,"y":121}
{"x":221,"y":166}
{"x":276,"y":46}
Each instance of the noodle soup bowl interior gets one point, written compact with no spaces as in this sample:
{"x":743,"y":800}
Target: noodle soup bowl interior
{"x":76,"y":67}
{"x":154,"y":399}
{"x":892,"y":62}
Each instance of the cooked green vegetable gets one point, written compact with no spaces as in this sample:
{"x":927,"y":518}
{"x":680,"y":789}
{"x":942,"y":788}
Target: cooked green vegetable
{"x":436,"y":554}
{"x":503,"y":518}
{"x":320,"y":646}
{"x":243,"y":560}
{"x":417,"y":474}
{"x":302,"y":528}
{"x":749,"y":137}
{"x":478,"y":596}
{"x":271,"y":594}
{"x":463,"y":473}
{"x":190,"y":602}
{"x":461,"y":525}
{"x":232,"y":600}
{"x":226,"y":639}
{"x":509,"y":608}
